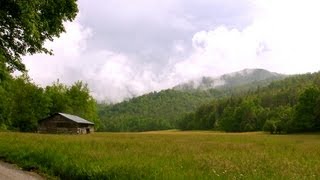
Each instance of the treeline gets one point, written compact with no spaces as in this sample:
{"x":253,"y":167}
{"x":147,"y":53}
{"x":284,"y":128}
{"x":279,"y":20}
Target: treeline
{"x":164,"y":109}
{"x":285,"y":106}
{"x":23,"y":103}
{"x":153,"y":111}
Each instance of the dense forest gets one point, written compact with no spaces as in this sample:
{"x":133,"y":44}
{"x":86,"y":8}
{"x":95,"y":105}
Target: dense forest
{"x":153,"y":111}
{"x":277,"y":105}
{"x":280,"y":106}
{"x":289,"y":105}
{"x":164,"y":109}
{"x":23,"y":103}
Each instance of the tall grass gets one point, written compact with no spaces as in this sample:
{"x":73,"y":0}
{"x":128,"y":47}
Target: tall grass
{"x":166,"y":155}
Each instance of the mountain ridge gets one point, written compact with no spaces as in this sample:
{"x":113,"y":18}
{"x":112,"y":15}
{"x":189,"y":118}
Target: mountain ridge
{"x":238,"y":78}
{"x":163,"y":109}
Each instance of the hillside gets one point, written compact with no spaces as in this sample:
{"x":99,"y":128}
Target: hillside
{"x":289,"y":105}
{"x":162,"y":110}
{"x":231,"y":80}
{"x":153,"y":111}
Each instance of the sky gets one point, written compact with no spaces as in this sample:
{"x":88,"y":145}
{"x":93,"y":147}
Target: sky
{"x":124,"y":48}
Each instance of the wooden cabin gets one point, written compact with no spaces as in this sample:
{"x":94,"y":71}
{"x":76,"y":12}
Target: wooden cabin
{"x":65,"y":123}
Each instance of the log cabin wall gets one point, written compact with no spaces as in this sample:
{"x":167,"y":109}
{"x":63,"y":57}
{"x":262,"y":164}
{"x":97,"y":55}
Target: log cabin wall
{"x":60,"y":124}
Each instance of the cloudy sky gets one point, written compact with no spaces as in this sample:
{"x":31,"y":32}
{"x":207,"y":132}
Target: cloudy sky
{"x":124,"y":48}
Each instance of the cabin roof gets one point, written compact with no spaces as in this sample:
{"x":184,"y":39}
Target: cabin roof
{"x":76,"y":119}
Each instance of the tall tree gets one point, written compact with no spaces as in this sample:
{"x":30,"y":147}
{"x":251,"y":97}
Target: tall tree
{"x":306,"y":116}
{"x":29,"y":104}
{"x":60,"y":102}
{"x":26,"y":24}
{"x":82,"y":103}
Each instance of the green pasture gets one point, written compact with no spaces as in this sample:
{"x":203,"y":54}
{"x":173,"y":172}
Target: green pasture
{"x":166,"y":155}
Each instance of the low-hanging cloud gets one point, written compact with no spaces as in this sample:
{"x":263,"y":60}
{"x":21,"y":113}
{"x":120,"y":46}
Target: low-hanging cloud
{"x":278,"y":41}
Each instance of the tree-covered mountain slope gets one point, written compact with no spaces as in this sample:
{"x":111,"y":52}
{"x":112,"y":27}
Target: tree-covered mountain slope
{"x":289,"y":105}
{"x":162,"y":110}
{"x":231,"y":80}
{"x":153,"y":111}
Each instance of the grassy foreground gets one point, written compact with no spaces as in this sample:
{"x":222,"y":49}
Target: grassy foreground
{"x":166,"y":155}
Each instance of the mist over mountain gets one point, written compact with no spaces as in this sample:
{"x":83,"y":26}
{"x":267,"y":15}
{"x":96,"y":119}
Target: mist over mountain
{"x":154,"y":45}
{"x":243,"y":77}
{"x":163,"y":109}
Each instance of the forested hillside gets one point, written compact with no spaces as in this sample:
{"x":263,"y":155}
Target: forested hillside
{"x":289,"y":105}
{"x":162,"y":110}
{"x":244,"y":77}
{"x":153,"y":111}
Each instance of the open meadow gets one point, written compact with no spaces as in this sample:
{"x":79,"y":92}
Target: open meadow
{"x":166,"y":155}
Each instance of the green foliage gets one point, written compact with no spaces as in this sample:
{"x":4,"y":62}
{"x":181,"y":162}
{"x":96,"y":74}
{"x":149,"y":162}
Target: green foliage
{"x":238,"y":109}
{"x":24,"y":28}
{"x":23,"y":103}
{"x":228,"y":122}
{"x":307,"y":111}
{"x":283,"y":106}
{"x":4,"y":109}
{"x":4,"y":74}
{"x":245,"y":113}
{"x":75,"y":99}
{"x":174,"y":108}
{"x":29,"y":104}
{"x":81,"y":102}
{"x":26,"y":24}
{"x":280,"y":120}
{"x":271,"y":125}
{"x":153,"y":111}
{"x":58,"y":99}
{"x":196,"y":120}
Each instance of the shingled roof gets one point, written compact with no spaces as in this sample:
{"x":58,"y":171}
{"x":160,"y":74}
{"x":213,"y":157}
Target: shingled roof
{"x":76,"y":119}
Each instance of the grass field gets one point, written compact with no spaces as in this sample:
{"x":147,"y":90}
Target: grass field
{"x":166,"y":155}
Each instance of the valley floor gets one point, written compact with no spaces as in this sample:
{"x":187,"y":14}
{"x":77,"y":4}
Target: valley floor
{"x":166,"y":155}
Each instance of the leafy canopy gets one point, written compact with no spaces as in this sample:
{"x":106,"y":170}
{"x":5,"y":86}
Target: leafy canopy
{"x":26,"y":24}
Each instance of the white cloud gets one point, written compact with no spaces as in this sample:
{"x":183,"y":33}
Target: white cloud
{"x":283,"y":37}
{"x":44,"y":68}
{"x":219,"y":51}
{"x":110,"y":75}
